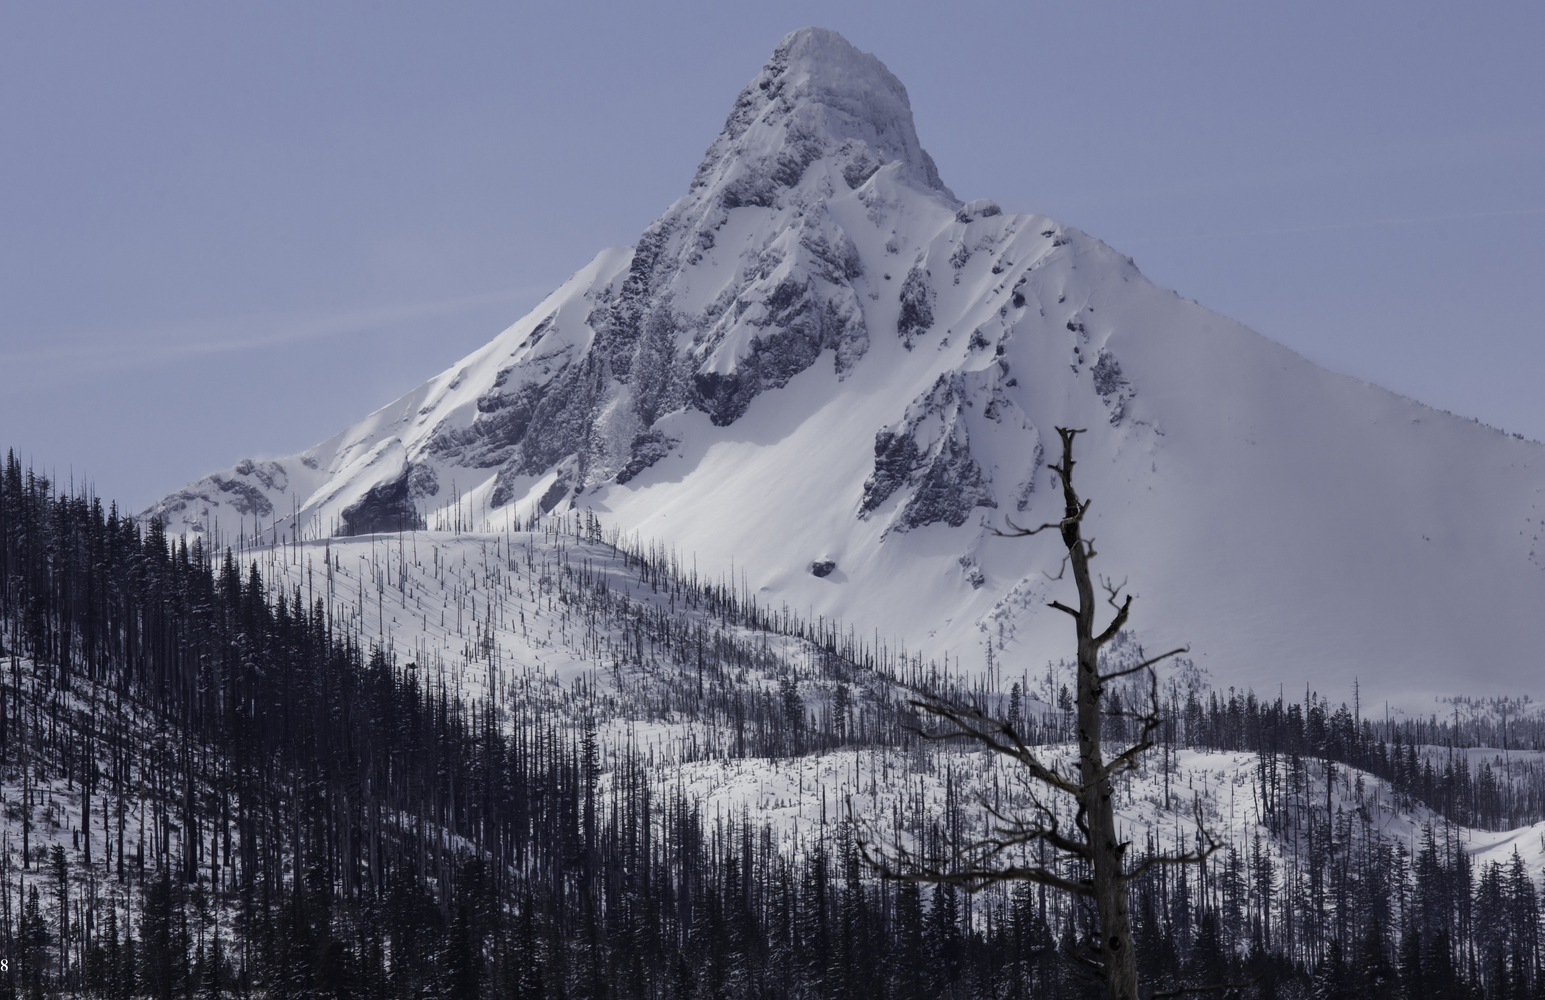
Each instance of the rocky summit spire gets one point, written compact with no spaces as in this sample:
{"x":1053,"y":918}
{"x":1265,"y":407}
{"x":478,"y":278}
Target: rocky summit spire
{"x":816,"y":95}
{"x":746,"y":281}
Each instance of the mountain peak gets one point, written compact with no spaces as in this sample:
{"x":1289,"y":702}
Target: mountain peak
{"x":818,"y":94}
{"x":821,"y":368}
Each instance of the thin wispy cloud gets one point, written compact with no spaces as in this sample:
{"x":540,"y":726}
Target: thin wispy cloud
{"x":237,"y":334}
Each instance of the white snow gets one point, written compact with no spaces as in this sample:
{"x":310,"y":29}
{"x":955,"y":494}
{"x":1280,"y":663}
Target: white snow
{"x":1293,"y":526}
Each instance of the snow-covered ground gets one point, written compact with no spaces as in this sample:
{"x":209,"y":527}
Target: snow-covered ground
{"x":475,"y":609}
{"x":808,"y":802}
{"x":501,"y":611}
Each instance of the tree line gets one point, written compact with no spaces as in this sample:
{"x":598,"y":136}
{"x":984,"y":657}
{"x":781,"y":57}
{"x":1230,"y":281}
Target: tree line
{"x":212,"y":790}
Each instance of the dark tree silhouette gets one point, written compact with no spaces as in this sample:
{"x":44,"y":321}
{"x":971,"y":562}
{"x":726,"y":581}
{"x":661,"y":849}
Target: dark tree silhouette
{"x":1094,"y":842}
{"x":251,"y":800}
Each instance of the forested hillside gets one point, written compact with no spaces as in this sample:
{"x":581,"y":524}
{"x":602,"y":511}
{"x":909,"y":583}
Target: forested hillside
{"x":550,"y":763}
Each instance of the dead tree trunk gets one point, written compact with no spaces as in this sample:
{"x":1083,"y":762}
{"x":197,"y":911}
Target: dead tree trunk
{"x":1107,"y":853}
{"x":1096,"y":840}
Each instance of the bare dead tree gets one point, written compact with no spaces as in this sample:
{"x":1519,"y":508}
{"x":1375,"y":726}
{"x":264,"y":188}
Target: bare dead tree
{"x":1093,"y":839}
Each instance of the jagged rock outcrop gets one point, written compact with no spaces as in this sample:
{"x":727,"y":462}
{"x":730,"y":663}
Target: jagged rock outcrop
{"x":710,"y":315}
{"x":814,"y":218}
{"x":819,"y":357}
{"x":1111,"y":385}
{"x":927,"y":455}
{"x":246,"y":490}
{"x":385,"y":506}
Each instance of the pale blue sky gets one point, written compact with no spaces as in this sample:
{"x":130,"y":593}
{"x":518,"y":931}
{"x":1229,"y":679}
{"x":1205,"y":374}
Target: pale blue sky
{"x":232,"y":232}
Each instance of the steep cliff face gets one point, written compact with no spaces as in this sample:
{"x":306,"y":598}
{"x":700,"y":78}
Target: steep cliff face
{"x":742,"y":284}
{"x":823,"y":372}
{"x":927,"y":456}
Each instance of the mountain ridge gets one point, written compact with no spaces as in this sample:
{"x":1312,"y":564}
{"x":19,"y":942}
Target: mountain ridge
{"x":820,"y":357}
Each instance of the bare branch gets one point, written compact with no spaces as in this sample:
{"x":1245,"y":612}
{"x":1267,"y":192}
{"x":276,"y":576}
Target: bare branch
{"x":1183,"y":858}
{"x":1126,"y":760}
{"x":1146,"y":663}
{"x":1018,"y":532}
{"x":973,"y":866}
{"x":972,"y":723}
{"x":1150,"y":721}
{"x":1116,"y":623}
{"x":1014,"y":832}
{"x":1063,"y":569}
{"x":998,"y":855}
{"x":1085,"y":967}
{"x":1067,"y":434}
{"x":911,"y":868}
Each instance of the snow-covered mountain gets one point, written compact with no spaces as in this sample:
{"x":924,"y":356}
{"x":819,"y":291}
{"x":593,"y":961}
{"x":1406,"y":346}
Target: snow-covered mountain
{"x":823,"y":374}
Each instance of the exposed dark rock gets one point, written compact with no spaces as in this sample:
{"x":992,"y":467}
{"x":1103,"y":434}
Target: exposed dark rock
{"x":573,"y":396}
{"x":1027,"y":488}
{"x":531,"y":428}
{"x":952,"y":485}
{"x":859,"y":166}
{"x":386,"y":506}
{"x":244,"y":497}
{"x":554,"y":495}
{"x":930,"y":452}
{"x":861,"y":104}
{"x":916,"y":306}
{"x":270,"y":474}
{"x":531,"y":340}
{"x":238,"y":491}
{"x":648,"y":448}
{"x":1112,"y":386}
{"x":799,"y":322}
{"x":981,"y":208}
{"x":822,"y":567}
{"x":491,"y":441}
{"x":835,"y":256}
{"x":422,"y":482}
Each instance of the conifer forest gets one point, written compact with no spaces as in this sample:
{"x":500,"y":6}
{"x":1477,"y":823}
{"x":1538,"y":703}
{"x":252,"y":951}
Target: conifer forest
{"x":267,"y":766}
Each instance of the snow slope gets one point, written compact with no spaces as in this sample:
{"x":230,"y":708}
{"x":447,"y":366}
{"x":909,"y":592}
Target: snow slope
{"x":821,"y":372}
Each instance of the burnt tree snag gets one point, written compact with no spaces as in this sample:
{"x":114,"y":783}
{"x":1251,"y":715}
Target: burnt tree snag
{"x":1093,"y":838}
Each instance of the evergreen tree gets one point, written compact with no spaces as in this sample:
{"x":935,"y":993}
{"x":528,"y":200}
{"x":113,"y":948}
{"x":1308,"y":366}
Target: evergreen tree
{"x":1375,"y":975}
{"x":1332,"y":980}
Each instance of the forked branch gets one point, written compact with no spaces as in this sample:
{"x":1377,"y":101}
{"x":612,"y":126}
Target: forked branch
{"x":1018,"y":532}
{"x":899,"y":863}
{"x":998,"y":856}
{"x":1149,"y":723}
{"x":972,"y":723}
{"x":1197,"y":856}
{"x":1113,"y":675}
